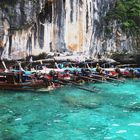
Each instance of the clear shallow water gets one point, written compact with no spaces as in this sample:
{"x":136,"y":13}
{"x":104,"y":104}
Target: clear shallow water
{"x":110,"y":113}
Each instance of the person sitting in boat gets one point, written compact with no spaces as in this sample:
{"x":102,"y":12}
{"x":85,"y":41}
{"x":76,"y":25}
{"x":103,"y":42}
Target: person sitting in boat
{"x":45,"y":79}
{"x":118,"y":71}
{"x":137,"y":73}
{"x":54,"y":75}
{"x":132,"y":73}
{"x":85,"y":72}
{"x":75,"y":75}
{"x":99,"y":69}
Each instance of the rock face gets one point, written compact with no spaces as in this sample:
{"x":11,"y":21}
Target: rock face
{"x":31,"y":27}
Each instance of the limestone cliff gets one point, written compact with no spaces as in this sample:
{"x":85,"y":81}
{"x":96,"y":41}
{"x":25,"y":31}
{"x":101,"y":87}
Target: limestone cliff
{"x":30,"y":27}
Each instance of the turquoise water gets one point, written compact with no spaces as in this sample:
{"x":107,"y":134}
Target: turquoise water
{"x":68,"y":113}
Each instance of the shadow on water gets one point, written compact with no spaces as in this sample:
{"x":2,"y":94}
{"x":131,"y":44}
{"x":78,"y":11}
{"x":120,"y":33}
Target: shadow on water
{"x":80,"y":102}
{"x":95,"y":100}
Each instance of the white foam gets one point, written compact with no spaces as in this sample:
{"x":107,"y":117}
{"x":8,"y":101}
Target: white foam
{"x":10,"y":111}
{"x":57,"y":121}
{"x":18,"y":119}
{"x":121,"y":131}
{"x":115,"y":125}
{"x":136,"y":135}
{"x":125,"y":111}
{"x":92,"y":128}
{"x":107,"y":138}
{"x":134,"y":124}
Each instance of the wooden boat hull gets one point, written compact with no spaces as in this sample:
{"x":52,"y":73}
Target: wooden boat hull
{"x":22,"y":86}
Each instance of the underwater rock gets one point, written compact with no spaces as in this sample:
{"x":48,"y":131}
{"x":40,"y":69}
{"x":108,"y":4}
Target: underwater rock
{"x":7,"y":119}
{"x":134,"y":107}
{"x":9,"y":134}
{"x":22,"y":128}
{"x":82,"y":103}
{"x":10,"y":119}
{"x":21,"y":98}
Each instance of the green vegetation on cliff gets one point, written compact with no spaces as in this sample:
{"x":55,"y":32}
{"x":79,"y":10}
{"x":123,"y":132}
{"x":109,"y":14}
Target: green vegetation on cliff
{"x":127,"y":14}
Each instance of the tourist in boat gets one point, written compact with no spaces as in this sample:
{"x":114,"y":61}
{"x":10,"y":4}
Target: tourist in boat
{"x":137,"y":74}
{"x":45,"y":79}
{"x":99,"y":69}
{"x":118,"y":71}
{"x":53,"y":77}
{"x":132,"y":73}
{"x":85,"y":72}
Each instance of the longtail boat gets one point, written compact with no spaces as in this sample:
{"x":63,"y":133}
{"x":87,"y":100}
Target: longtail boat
{"x":19,"y":81}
